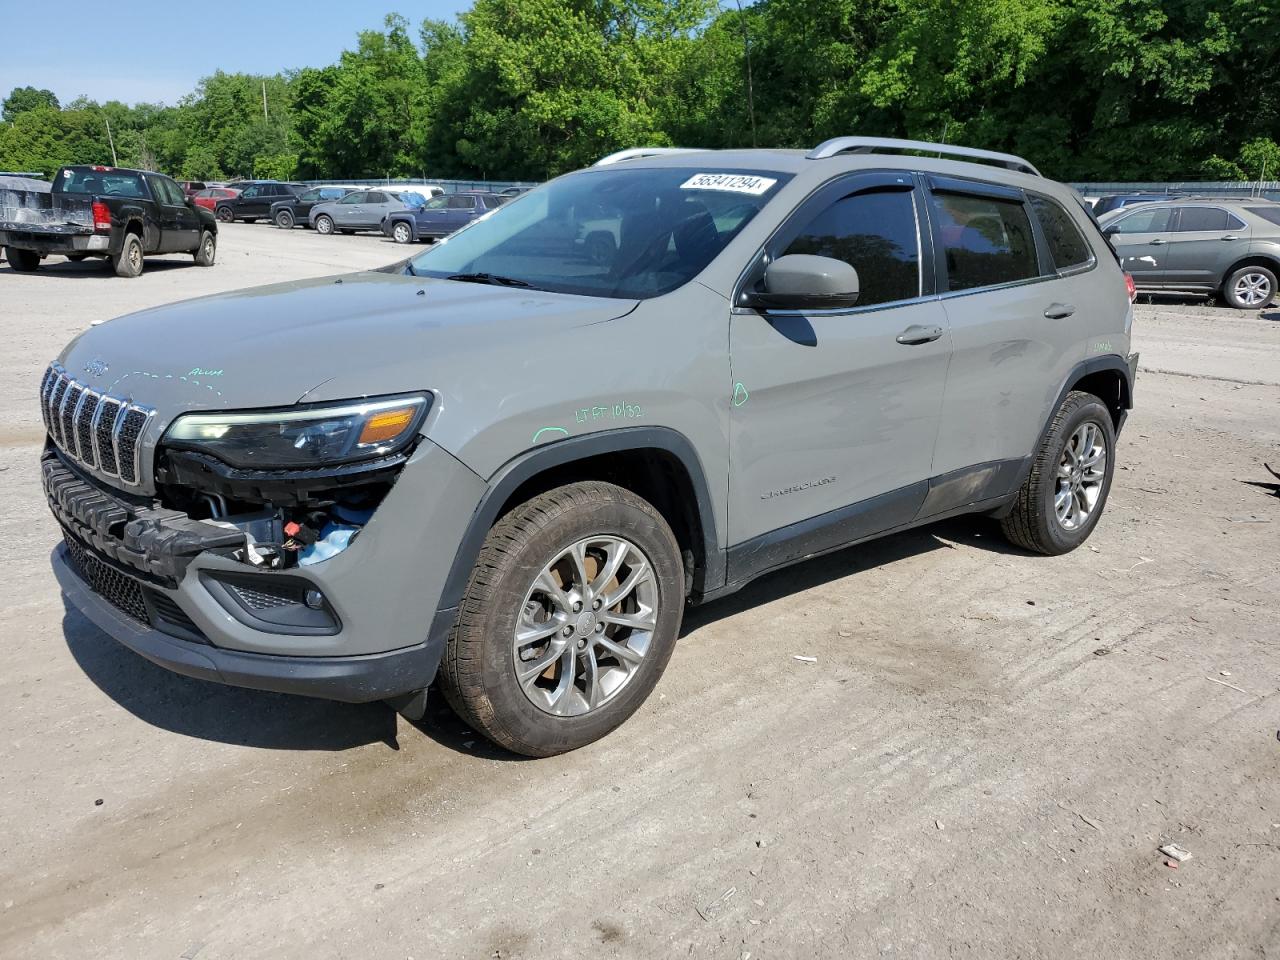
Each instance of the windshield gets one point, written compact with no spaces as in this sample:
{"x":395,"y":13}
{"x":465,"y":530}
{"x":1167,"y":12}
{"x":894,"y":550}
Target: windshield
{"x":615,"y":232}
{"x":110,"y":183}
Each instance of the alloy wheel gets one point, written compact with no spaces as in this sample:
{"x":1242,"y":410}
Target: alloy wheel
{"x":1253,"y":289}
{"x":1082,"y":472}
{"x":585,"y":626}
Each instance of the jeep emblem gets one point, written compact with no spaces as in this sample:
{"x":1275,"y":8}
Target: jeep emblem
{"x":95,"y":368}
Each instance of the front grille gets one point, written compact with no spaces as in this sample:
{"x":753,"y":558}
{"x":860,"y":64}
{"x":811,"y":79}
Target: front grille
{"x":97,"y":430}
{"x":123,"y":593}
{"x":164,"y":610}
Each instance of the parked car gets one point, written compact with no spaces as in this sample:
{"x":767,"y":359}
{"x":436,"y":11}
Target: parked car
{"x":513,"y":470}
{"x":190,"y":187}
{"x":253,"y":202}
{"x":97,"y":211}
{"x":439,"y":216}
{"x":1117,"y":201}
{"x":209,"y":197}
{"x":1204,"y":246}
{"x":361,"y":210}
{"x":286,"y":213}
{"x":510,"y":192}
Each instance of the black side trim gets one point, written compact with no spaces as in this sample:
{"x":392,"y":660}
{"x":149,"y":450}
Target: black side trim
{"x":977,"y":188}
{"x":969,"y":485}
{"x":533,"y":462}
{"x":824,"y":533}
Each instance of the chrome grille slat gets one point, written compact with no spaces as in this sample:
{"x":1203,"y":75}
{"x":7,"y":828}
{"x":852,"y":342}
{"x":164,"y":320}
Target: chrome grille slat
{"x":100,"y":431}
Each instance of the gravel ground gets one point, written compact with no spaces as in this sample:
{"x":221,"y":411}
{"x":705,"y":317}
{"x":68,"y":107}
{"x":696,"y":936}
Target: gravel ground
{"x":982,"y":762}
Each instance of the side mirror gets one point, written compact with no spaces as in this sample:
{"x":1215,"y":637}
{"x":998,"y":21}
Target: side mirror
{"x":801,"y":281}
{"x":1111,"y":231}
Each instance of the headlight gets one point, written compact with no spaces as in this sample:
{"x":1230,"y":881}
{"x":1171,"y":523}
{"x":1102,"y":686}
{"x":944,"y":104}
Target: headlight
{"x":303,"y":436}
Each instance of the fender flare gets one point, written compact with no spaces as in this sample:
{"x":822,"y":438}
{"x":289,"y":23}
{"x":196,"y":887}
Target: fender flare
{"x":395,"y":218}
{"x":527,"y":465}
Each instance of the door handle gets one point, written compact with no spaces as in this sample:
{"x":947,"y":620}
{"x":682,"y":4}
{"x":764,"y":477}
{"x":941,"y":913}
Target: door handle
{"x":917,"y":334}
{"x":1059,"y":311}
{"x":1229,"y":236}
{"x":1157,"y":242}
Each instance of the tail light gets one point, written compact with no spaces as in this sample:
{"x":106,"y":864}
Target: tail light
{"x":1130,"y":286}
{"x":101,"y":217}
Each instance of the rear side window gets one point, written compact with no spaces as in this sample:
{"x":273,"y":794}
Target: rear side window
{"x":875,"y":233}
{"x":986,"y":241}
{"x":1206,"y":218}
{"x":1066,"y":243}
{"x":1143,"y":221}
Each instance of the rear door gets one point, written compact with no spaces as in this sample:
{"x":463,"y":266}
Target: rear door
{"x":375,"y":207}
{"x":1204,"y":242}
{"x":1141,"y":241}
{"x":833,"y":410}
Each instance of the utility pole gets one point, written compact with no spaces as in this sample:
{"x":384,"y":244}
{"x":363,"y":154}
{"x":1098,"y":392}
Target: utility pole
{"x":746,"y":52}
{"x":111,"y":140}
{"x":265,"y":118}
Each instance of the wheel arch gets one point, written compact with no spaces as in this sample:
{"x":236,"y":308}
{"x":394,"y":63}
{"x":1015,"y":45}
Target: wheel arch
{"x":656,"y":463}
{"x":1269,"y":260}
{"x":395,"y":218}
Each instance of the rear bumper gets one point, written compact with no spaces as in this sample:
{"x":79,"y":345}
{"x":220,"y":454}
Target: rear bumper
{"x":351,"y":679}
{"x":46,"y":243}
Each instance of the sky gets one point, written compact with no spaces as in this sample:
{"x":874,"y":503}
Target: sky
{"x":145,"y":51}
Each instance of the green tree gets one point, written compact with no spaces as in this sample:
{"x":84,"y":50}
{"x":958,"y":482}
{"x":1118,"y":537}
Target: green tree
{"x":22,"y":99}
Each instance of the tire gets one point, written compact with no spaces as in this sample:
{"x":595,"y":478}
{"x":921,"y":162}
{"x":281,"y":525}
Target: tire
{"x":324,"y":225}
{"x":401,"y":232}
{"x":1250,"y":288}
{"x":207,"y":251}
{"x":23,"y":261}
{"x":1081,"y":427}
{"x":128,"y":262}
{"x":77,"y":257}
{"x":225,"y":215}
{"x":284,"y":219}
{"x":479,"y":672}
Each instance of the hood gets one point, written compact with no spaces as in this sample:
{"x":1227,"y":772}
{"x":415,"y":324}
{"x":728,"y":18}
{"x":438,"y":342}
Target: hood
{"x":331,"y":338}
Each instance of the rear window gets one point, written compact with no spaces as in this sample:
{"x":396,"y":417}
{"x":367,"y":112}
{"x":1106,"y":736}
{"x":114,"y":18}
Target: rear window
{"x":987,"y":241}
{"x":110,"y":183}
{"x":1066,"y":243}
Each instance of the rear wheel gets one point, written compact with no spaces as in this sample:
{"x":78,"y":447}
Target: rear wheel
{"x":128,"y":262}
{"x":401,"y":232}
{"x":207,"y":250}
{"x":324,"y":224}
{"x":284,"y":219}
{"x":1061,"y":500}
{"x":224,"y":214}
{"x":569,"y":619}
{"x":1250,"y":288}
{"x":23,"y":261}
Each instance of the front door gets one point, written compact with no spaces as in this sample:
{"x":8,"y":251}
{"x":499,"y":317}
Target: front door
{"x":179,"y":227}
{"x":1204,"y":242}
{"x":348,"y":211}
{"x":835,"y":413}
{"x":1141,"y":241}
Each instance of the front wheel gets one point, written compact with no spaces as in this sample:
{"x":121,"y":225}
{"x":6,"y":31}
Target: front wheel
{"x":568,"y":621}
{"x":401,"y":232}
{"x":128,"y":262}
{"x":1061,"y":500}
{"x":23,"y":261}
{"x":324,"y":224}
{"x":1250,"y":288}
{"x":207,"y":250}
{"x":284,"y":219}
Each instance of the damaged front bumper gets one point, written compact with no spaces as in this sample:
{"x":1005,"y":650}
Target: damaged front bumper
{"x":178,"y":591}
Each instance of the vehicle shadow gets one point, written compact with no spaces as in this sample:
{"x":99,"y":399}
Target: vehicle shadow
{"x":212,"y":711}
{"x":973,"y":531}
{"x":97,"y":269}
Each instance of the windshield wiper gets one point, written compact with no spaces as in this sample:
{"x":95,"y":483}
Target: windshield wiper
{"x":492,"y":278}
{"x":408,"y":265}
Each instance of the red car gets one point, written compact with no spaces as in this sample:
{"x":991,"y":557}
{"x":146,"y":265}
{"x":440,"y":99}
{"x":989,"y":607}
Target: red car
{"x":209,"y":198}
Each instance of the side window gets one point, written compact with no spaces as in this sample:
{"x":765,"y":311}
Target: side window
{"x":1201,"y":218}
{"x":250,"y":192}
{"x":353,"y":198}
{"x":376,"y":196}
{"x":1066,"y":244}
{"x":169,"y":192}
{"x":875,"y":233}
{"x":462,"y":203}
{"x":1143,"y":221}
{"x":986,"y":241}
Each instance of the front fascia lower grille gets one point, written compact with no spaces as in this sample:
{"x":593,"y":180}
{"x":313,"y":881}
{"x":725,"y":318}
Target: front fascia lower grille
{"x":99,"y":431}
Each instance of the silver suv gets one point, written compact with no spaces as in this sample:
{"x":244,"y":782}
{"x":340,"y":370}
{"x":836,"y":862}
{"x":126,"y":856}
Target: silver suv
{"x":508,"y":462}
{"x":1201,"y":245}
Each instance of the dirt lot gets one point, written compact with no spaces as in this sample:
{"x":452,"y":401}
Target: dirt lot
{"x":982,"y":762}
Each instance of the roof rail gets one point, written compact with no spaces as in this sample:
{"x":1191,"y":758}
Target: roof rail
{"x":635,"y":153}
{"x":839,"y":145}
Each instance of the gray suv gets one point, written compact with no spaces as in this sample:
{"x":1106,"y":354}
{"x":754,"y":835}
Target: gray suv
{"x":1201,"y":245}
{"x":507,"y":463}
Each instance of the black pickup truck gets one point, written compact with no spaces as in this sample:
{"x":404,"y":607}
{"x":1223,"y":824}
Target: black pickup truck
{"x":96,"y":211}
